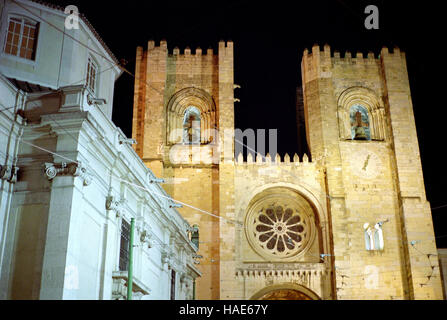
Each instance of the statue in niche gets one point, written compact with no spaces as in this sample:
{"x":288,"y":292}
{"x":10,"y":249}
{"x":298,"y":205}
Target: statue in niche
{"x":359,"y":123}
{"x":373,"y":236}
{"x":191,"y":126}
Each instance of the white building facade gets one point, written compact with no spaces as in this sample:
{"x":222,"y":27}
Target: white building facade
{"x":70,"y":180}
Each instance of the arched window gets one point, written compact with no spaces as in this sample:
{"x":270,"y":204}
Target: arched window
{"x":198,"y":103}
{"x":361,"y":115}
{"x":359,"y":118}
{"x":191,"y":126}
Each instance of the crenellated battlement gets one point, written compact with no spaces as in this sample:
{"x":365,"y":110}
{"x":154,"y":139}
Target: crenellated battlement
{"x":359,"y":58}
{"x":272,"y":161}
{"x":187,"y":52}
{"x":163,"y":45}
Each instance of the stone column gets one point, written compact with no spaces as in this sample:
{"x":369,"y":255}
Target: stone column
{"x":60,"y":274}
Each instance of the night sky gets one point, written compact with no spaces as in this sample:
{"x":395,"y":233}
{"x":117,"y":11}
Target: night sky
{"x":269,"y":39}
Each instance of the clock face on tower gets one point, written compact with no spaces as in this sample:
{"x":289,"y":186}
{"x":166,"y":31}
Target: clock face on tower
{"x":366,"y":164}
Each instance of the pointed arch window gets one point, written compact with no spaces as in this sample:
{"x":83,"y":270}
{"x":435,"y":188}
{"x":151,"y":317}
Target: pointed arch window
{"x":191,"y":126}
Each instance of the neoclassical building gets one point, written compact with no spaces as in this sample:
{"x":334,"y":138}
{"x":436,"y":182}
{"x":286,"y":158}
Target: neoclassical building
{"x":349,"y":220}
{"x":70,"y":181}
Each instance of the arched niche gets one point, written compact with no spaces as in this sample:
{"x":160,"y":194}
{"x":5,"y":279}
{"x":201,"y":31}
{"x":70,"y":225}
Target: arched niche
{"x":371,"y":121}
{"x":178,"y":106}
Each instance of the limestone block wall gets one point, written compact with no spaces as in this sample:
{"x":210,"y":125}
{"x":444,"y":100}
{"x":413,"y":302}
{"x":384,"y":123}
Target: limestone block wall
{"x":161,"y":74}
{"x":168,"y":83}
{"x":251,"y":272}
{"x":370,"y":198}
{"x":199,"y":187}
{"x":379,"y":179}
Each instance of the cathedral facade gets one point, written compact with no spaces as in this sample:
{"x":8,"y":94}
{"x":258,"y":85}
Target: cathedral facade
{"x":350,"y":220}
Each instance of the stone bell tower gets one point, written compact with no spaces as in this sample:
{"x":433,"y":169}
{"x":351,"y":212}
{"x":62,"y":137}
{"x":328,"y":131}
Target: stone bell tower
{"x":183,"y":105}
{"x":360,"y":127}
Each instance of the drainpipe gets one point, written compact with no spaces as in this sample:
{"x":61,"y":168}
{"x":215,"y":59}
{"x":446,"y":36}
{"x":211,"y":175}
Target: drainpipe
{"x":129,"y":271}
{"x":194,"y":289}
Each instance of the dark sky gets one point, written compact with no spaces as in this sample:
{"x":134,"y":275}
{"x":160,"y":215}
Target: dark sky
{"x":269,"y":38}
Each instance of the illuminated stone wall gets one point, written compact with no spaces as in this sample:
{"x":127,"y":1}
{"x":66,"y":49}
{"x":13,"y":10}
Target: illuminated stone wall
{"x":371,"y":181}
{"x":170,"y":82}
{"x":347,"y":183}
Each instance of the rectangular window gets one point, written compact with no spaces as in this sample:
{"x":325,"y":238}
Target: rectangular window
{"x":124,"y":246}
{"x":173,"y":285}
{"x":21,"y":38}
{"x":92,"y":72}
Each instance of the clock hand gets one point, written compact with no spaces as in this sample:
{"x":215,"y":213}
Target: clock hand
{"x":366,"y":162}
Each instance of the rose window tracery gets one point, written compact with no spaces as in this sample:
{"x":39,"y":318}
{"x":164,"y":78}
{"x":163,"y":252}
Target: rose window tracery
{"x":279,"y":229}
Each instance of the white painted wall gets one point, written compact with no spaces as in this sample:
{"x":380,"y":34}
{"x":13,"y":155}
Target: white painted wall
{"x":58,"y":239}
{"x":61,"y":59}
{"x":61,"y":232}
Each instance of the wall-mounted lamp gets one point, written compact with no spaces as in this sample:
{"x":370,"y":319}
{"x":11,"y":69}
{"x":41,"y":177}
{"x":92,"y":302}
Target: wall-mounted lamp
{"x":156,"y":180}
{"x":92,"y":100}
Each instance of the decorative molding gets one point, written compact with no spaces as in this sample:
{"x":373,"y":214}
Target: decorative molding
{"x":309,"y":278}
{"x":185,"y":280}
{"x":290,"y":290}
{"x":76,"y":169}
{"x":115,"y":205}
{"x":167,"y":257}
{"x":119,"y":286}
{"x":146,"y":234}
{"x":9,"y":173}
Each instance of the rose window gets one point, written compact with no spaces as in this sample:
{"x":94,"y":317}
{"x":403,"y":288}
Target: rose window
{"x":281,"y":231}
{"x":280,"y":225}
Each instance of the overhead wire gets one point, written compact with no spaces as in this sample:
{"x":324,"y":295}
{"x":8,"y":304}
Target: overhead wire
{"x":341,"y":275}
{"x":150,"y":86}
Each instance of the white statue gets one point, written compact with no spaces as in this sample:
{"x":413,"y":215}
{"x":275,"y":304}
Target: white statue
{"x":373,"y":236}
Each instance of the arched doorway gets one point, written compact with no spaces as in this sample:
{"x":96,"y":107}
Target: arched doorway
{"x":285,"y":292}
